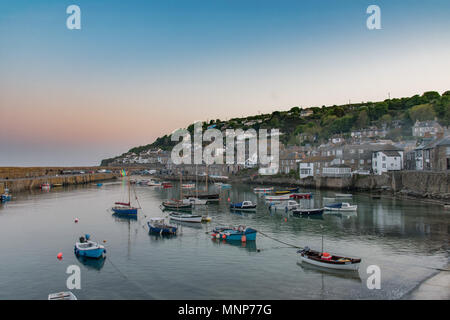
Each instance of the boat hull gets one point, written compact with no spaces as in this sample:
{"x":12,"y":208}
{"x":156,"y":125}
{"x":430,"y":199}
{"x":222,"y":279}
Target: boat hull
{"x":348,"y":266}
{"x":186,"y":218}
{"x":125,"y":211}
{"x":162,"y":230}
{"x":90,"y":253}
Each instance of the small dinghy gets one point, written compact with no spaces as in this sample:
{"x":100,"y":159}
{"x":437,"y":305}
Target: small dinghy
{"x":292,"y":190}
{"x":167,"y":185}
{"x":342,"y":206}
{"x":5,"y":197}
{"x":177,"y":205}
{"x":307,"y":212}
{"x":67,"y":295}
{"x":343,"y":195}
{"x":243,"y":206}
{"x":89,"y":249}
{"x":45,"y":186}
{"x":185,"y":217}
{"x":306,"y":195}
{"x":240,"y":233}
{"x":263,"y":190}
{"x":326,"y":260}
{"x":158,"y":225}
{"x":277,"y":198}
{"x":285,"y":205}
{"x":188,"y":186}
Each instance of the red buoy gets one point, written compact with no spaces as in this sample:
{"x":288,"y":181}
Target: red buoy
{"x":224,"y":236}
{"x":59,"y":256}
{"x":76,"y":220}
{"x":244,"y":238}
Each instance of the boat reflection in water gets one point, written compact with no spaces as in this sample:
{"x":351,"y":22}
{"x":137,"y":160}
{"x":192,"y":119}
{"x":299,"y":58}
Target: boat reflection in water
{"x":249,"y":246}
{"x":344,"y":274}
{"x":96,"y":264}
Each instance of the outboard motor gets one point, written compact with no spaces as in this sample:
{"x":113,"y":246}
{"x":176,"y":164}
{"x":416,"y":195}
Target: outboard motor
{"x":81,"y":239}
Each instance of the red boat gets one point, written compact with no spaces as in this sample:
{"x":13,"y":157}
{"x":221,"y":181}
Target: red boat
{"x":167,"y":185}
{"x":307,"y":195}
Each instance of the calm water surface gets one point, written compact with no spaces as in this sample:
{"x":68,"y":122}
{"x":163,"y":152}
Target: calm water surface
{"x":406,"y":239}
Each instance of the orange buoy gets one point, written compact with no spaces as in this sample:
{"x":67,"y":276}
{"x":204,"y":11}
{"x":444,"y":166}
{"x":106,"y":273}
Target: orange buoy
{"x":59,"y":256}
{"x":104,"y":241}
{"x":244,"y":238}
{"x":228,"y":199}
{"x":224,"y":236}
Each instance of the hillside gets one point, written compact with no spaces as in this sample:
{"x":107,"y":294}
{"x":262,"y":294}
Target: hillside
{"x":315,"y":125}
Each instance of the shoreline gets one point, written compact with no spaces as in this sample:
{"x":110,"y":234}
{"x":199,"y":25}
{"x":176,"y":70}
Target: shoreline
{"x":434,"y":287}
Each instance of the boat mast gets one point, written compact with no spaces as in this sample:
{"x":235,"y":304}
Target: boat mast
{"x":196,"y":181}
{"x":129,"y":191}
{"x":321,"y":227}
{"x":181,"y":186}
{"x":206,"y":178}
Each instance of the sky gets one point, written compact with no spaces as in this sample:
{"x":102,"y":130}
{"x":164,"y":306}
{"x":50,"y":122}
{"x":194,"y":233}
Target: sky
{"x":139,"y":69}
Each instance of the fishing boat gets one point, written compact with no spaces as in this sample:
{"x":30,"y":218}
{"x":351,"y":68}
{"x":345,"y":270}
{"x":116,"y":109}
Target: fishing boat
{"x":326,"y":260}
{"x":158,"y":225}
{"x":285,"y":205}
{"x":243,"y":206}
{"x":176,"y":205}
{"x":125,"y":208}
{"x":184,"y":217}
{"x":89,"y":249}
{"x":292,"y":190}
{"x":66,"y":295}
{"x":307,"y":212}
{"x":277,"y":198}
{"x":240,"y":233}
{"x":306,"y":195}
{"x":341,"y":206}
{"x":57,"y":185}
{"x":343,"y":195}
{"x":263,"y":190}
{"x":226,"y":185}
{"x":167,"y":185}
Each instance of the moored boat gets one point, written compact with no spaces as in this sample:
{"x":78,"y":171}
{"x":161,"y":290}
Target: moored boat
{"x":5,"y":197}
{"x":188,"y":185}
{"x":240,"y":233}
{"x":153,"y":183}
{"x":263,"y":190}
{"x":292,"y":190}
{"x":277,"y":198}
{"x":195,"y":201}
{"x":284,"y":205}
{"x":45,"y":186}
{"x":326,"y":260}
{"x":177,"y":205}
{"x":158,"y":225}
{"x":184,"y":217}
{"x":89,"y":249}
{"x":343,"y":195}
{"x":243,"y":206}
{"x":306,"y":195}
{"x":341,"y":206}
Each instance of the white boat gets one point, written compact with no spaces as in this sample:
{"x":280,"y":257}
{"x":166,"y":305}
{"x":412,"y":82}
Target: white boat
{"x":188,"y":186}
{"x":326,"y":260}
{"x":66,"y":295}
{"x":195,"y":201}
{"x":263,"y":190}
{"x":277,"y":198}
{"x":343,"y":195}
{"x":185,"y":217}
{"x":342,"y":206}
{"x":286,"y":205}
{"x":153,"y":183}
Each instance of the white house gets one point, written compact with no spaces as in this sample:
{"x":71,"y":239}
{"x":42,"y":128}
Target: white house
{"x":306,"y":169}
{"x":387,"y":160}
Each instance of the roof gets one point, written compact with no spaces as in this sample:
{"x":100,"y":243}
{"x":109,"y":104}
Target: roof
{"x":391,"y":153}
{"x":317,"y":159}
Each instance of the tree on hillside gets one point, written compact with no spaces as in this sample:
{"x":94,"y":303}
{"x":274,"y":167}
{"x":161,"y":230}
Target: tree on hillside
{"x":422,"y":112}
{"x":363,"y":119}
{"x":431,"y":95}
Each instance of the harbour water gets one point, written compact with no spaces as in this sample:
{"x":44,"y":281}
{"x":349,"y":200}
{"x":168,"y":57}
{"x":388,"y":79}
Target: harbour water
{"x":406,"y":239}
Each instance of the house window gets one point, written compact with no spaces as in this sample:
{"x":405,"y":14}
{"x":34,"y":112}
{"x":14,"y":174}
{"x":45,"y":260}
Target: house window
{"x":384,"y":158}
{"x":352,"y":150}
{"x":448,"y":151}
{"x":384,"y":165}
{"x":361,"y":161}
{"x":361,"y":150}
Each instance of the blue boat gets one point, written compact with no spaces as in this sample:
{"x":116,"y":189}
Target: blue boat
{"x":123,"y":208}
{"x":99,"y":184}
{"x":243,"y":206}
{"x":157,"y":225}
{"x":240,"y":233}
{"x":89,"y":249}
